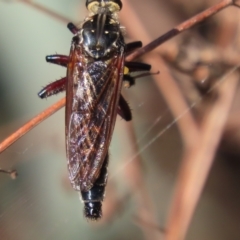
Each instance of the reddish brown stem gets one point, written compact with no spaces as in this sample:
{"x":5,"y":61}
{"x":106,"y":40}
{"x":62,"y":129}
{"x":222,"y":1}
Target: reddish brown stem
{"x":180,"y":28}
{"x":31,"y":124}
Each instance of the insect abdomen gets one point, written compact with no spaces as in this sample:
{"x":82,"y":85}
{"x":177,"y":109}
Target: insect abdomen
{"x":93,"y":198}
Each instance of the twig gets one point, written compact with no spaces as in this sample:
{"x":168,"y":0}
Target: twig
{"x":164,"y":81}
{"x":173,"y":101}
{"x":31,"y":124}
{"x":180,"y":28}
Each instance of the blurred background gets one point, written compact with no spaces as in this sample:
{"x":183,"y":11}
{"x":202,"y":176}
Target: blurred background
{"x":145,"y":155}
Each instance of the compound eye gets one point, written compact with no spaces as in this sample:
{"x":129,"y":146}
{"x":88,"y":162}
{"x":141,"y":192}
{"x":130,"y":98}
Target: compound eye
{"x":112,"y":5}
{"x":92,"y":5}
{"x":115,"y":5}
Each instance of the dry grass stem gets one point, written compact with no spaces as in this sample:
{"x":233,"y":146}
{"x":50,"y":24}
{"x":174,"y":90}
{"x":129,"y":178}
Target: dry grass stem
{"x":181,"y":27}
{"x":31,"y":124}
{"x":164,"y":81}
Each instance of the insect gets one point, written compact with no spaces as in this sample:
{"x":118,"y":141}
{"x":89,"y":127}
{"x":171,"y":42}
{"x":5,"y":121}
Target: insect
{"x":96,"y":68}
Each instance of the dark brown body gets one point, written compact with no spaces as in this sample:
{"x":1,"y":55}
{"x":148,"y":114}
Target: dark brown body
{"x":93,"y":89}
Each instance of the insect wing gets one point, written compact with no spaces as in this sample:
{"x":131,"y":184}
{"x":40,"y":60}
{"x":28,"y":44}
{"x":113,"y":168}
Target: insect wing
{"x":93,"y":91}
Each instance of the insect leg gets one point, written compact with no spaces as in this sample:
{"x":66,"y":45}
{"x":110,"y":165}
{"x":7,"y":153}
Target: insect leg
{"x":128,"y":81}
{"x":58,"y":59}
{"x":53,"y":88}
{"x":72,"y":28}
{"x":123,"y":109}
{"x":130,"y":47}
{"x":135,"y":67}
{"x":93,"y":198}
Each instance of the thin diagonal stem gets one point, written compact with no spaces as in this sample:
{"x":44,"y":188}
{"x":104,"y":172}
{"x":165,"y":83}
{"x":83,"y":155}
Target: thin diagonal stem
{"x":180,"y":28}
{"x":31,"y":124}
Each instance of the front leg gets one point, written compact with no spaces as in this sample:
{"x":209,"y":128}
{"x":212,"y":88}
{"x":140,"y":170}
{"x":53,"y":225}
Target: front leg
{"x":58,"y":59}
{"x":72,"y":28}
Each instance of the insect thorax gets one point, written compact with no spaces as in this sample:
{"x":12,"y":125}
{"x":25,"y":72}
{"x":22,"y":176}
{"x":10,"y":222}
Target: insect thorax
{"x":101,"y":36}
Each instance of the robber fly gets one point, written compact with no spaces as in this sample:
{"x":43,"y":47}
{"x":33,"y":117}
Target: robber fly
{"x":96,"y":68}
